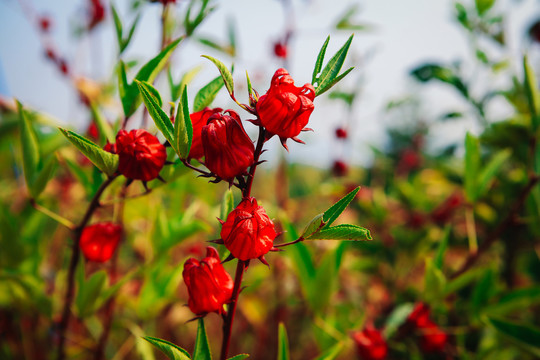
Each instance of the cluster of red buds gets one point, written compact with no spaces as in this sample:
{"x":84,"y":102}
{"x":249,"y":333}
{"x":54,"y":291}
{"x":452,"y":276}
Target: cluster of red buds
{"x":370,"y":344}
{"x":432,"y":338}
{"x":340,"y":167}
{"x":99,"y":241}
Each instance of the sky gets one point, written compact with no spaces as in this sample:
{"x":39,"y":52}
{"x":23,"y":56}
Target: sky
{"x":402,"y":34}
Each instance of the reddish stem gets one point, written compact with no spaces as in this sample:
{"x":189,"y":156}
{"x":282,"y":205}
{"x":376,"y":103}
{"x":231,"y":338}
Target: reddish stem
{"x":227,"y":325}
{"x":75,"y":256}
{"x":256,"y":156}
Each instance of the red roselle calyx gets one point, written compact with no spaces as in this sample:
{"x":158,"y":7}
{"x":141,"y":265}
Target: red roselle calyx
{"x":198,"y":120}
{"x":96,"y":13}
{"x":432,"y":338}
{"x":99,"y":241}
{"x":285,"y":109}
{"x":280,"y":50}
{"x":341,"y":133}
{"x":209,"y":285}
{"x":248,"y":232}
{"x":370,"y":344}
{"x":141,"y":155}
{"x":228,"y":150}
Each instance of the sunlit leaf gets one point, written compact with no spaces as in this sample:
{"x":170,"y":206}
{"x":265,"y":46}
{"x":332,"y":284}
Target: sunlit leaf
{"x":329,"y":75}
{"x":335,"y":210}
{"x":202,"y":348}
{"x":225,"y":74}
{"x":283,"y":343}
{"x":207,"y":94}
{"x":172,"y":351}
{"x":342,"y":232}
{"x":183,"y":129}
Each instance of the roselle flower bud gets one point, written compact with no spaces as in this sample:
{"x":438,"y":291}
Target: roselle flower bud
{"x":44,"y":23}
{"x":248,"y":232}
{"x":370,"y":344}
{"x":419,"y":317}
{"x":341,"y":133}
{"x":285,"y":109}
{"x":141,"y":155}
{"x":198,"y":120}
{"x":209,"y":285}
{"x":432,"y":338}
{"x":99,"y":241}
{"x":228,"y":150}
{"x":340,"y":168}
{"x":280,"y":50}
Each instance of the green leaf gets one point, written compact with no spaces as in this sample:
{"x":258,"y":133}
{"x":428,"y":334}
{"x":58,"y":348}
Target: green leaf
{"x":331,"y":353}
{"x":103,"y":125}
{"x":491,"y":169}
{"x":522,"y":334}
{"x":44,"y":175}
{"x":207,"y":94}
{"x":227,"y":204}
{"x":172,"y":351}
{"x":250,"y":88}
{"x":438,"y":261}
{"x":186,"y":79}
{"x":483,"y":5}
{"x":483,"y":291}
{"x":319,"y":62}
{"x":118,"y":27}
{"x":123,"y":87}
{"x":397,"y":318}
{"x":472,"y":165}
{"x":225,"y":74}
{"x":335,"y":210}
{"x":316,"y":224}
{"x":330,"y":72}
{"x":149,"y":71}
{"x":103,"y":160}
{"x":515,"y":300}
{"x":162,"y":121}
{"x":29,"y":147}
{"x":88,"y":293}
{"x":531,"y":90}
{"x":283,"y":343}
{"x":239,"y":357}
{"x":342,"y":232}
{"x":127,"y":40}
{"x":434,"y":283}
{"x":202,"y":348}
{"x":183,"y":129}
{"x":322,"y":90}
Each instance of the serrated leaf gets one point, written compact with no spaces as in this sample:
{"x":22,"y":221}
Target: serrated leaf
{"x":483,"y":5}
{"x":183,"y":129}
{"x":29,"y":148}
{"x":172,"y":351}
{"x":149,"y":71}
{"x":316,"y":224}
{"x":227,"y":204}
{"x":88,"y":293}
{"x":491,"y":169}
{"x":472,"y":165}
{"x":319,"y":62}
{"x":225,"y":74}
{"x":523,"y":334}
{"x":283,"y":343}
{"x":531,"y":90}
{"x":324,"y":89}
{"x":103,"y":160}
{"x":332,"y":68}
{"x":342,"y":232}
{"x":207,"y":94}
{"x":162,"y":121}
{"x":335,"y":210}
{"x":202,"y":348}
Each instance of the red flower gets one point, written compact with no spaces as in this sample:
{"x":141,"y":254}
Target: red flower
{"x":44,"y":23}
{"x":96,"y":12}
{"x":198,"y":120}
{"x":99,"y":241}
{"x":248,"y":232}
{"x":228,"y":150}
{"x":285,"y":109}
{"x":280,"y":50}
{"x":432,"y":338}
{"x":209,"y":285}
{"x":141,"y":155}
{"x":370,"y":344}
{"x":340,"y":168}
{"x":341,"y":133}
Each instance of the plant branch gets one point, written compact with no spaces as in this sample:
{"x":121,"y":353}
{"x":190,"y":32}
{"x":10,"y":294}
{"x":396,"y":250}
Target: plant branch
{"x":228,"y":321}
{"x":290,"y":243}
{"x":497,"y":232}
{"x":260,"y":142}
{"x":75,"y":256}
